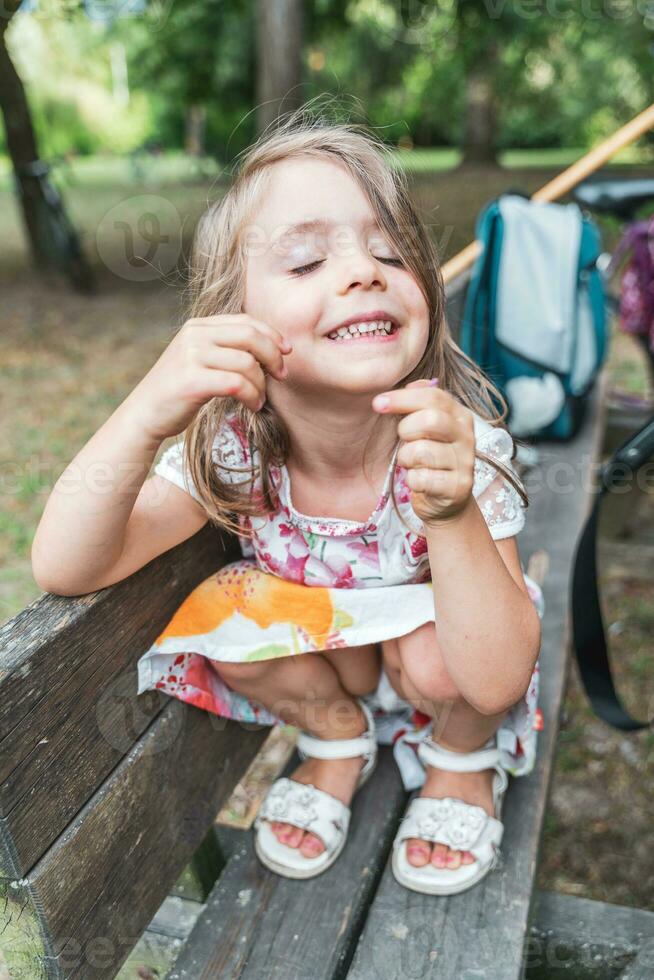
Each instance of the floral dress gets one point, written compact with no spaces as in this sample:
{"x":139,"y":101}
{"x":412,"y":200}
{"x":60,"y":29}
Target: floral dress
{"x":307,"y":584}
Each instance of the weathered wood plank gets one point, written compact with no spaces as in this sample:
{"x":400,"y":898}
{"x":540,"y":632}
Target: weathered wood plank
{"x":586,"y":939}
{"x":583,"y":939}
{"x":258,"y":924}
{"x":597,"y":939}
{"x":68,"y":711}
{"x":39,"y":648}
{"x":642,"y":967}
{"x":100,"y":884}
{"x":481,"y":932}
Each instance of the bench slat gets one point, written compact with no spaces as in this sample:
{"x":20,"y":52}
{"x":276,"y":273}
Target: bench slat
{"x":101,"y":883}
{"x":581,"y":937}
{"x":68,"y":708}
{"x":481,"y":932}
{"x":258,"y":924}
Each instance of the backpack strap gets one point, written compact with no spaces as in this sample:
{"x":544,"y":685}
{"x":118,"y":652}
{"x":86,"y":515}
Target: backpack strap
{"x":589,"y":639}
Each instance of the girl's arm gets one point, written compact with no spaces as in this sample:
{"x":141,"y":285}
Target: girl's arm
{"x":488,"y":627}
{"x":101,"y":522}
{"x":95,"y":530}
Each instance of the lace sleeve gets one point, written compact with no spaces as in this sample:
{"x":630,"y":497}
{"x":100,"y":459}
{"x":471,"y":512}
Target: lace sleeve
{"x":171,"y":467}
{"x":499,"y":502}
{"x":227,"y":452}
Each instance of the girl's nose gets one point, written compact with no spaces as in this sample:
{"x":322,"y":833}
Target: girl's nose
{"x":362,"y":270}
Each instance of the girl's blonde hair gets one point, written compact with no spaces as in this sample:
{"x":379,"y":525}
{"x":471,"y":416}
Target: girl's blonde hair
{"x":216,"y":285}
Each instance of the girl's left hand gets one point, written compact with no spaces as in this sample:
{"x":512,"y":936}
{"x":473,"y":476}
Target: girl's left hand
{"x":438,"y":448}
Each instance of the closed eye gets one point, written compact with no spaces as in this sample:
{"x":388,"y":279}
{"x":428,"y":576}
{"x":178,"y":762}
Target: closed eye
{"x":303,"y":269}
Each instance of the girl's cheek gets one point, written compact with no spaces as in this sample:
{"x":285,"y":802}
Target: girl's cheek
{"x":298,"y":319}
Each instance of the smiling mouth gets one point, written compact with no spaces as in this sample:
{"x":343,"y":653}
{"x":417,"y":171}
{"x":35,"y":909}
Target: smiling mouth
{"x":371,"y":330}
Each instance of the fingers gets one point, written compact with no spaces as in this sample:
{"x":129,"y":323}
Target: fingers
{"x":238,"y":362}
{"x":430,"y":412}
{"x":410,"y":399}
{"x":417,"y":394}
{"x":230,"y":384}
{"x":245,"y":333}
{"x":427,"y":453}
{"x":428,"y":423}
{"x":246,"y":337}
{"x":244,"y":320}
{"x":439,"y":483}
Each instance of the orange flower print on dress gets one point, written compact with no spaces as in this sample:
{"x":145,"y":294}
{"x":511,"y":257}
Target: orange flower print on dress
{"x":265,"y":599}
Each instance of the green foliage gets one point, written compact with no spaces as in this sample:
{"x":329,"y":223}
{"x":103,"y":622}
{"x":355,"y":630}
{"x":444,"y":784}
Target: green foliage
{"x":563,"y":74}
{"x":202,"y":54}
{"x":60,"y":126}
{"x":66,"y":67}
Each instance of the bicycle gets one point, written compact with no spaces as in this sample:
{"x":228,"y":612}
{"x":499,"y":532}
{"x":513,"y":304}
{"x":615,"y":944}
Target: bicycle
{"x":58,"y":240}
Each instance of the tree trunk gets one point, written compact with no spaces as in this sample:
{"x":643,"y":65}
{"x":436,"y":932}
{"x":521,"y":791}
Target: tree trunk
{"x":279,"y":58}
{"x":196,"y":116}
{"x":481,"y":113}
{"x":21,"y":145}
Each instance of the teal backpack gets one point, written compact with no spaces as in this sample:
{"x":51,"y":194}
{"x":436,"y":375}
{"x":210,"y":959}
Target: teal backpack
{"x":535,"y":312}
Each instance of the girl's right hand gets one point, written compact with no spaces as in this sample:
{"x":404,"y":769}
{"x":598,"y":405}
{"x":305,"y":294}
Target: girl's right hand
{"x":209,"y":357}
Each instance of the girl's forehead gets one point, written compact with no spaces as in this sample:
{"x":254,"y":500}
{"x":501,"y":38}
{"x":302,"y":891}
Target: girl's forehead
{"x":304,"y":189}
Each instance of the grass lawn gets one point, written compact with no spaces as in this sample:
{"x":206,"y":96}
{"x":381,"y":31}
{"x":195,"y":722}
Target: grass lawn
{"x":69,"y":360}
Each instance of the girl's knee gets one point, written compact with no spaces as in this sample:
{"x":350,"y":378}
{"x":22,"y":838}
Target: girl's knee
{"x":358,"y":668}
{"x":422,"y":661}
{"x":358,"y":687}
{"x":435,"y":686}
{"x":391,"y":654}
{"x":238,"y":673}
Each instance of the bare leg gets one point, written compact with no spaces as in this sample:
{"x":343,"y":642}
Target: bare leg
{"x":416,"y":670}
{"x":358,"y":668}
{"x":315,"y":692}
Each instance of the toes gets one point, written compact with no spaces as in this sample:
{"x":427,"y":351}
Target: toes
{"x":439,"y":855}
{"x":280,"y":830}
{"x":291,"y":836}
{"x":417,"y":852}
{"x":311,"y":846}
{"x":442,"y":856}
{"x":445,"y":857}
{"x":286,"y":833}
{"x":294,"y":839}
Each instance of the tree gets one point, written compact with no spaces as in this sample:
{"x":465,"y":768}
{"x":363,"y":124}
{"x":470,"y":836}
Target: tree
{"x":21,"y":138}
{"x":279,"y":62}
{"x":198,"y":69}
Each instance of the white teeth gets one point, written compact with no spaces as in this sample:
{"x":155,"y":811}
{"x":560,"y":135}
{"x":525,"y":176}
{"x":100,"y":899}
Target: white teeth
{"x":382,"y":327}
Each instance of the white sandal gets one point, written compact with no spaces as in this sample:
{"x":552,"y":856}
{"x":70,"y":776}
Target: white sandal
{"x":451,"y":821}
{"x":306,"y":806}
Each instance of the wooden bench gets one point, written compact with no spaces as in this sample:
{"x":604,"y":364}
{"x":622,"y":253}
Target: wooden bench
{"x":108,"y":800}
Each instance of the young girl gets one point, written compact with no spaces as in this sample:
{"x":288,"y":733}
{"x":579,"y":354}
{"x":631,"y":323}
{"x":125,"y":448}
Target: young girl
{"x":333,"y":423}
